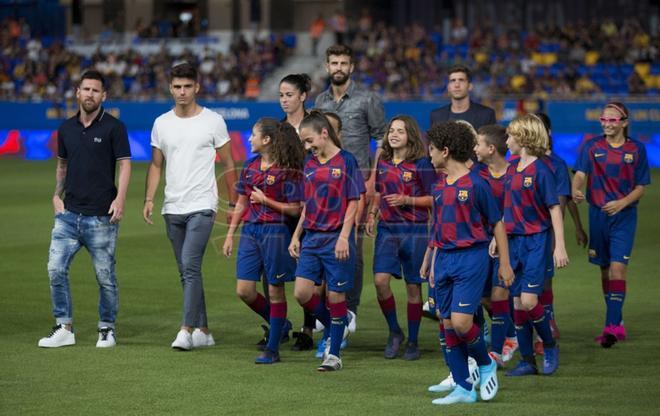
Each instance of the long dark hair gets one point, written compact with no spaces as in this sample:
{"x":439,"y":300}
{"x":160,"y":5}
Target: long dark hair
{"x":623,"y":110}
{"x":415,"y":147}
{"x":317,"y":121}
{"x":286,"y":149}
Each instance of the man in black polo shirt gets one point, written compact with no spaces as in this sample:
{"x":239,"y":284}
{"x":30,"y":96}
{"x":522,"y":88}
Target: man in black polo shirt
{"x":459,"y":86}
{"x":90,"y":145}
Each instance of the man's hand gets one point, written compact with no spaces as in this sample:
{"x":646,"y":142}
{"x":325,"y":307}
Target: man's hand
{"x":58,"y":204}
{"x":116,"y":210}
{"x":147,"y":211}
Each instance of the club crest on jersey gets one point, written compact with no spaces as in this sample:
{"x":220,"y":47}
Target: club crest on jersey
{"x":527,"y":181}
{"x":336,"y":172}
{"x":628,"y":158}
{"x":407,"y":176}
{"x":592,"y":252}
{"x":462,"y":195}
{"x":270,"y":179}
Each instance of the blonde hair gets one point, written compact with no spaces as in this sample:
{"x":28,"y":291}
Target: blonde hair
{"x":530,"y":133}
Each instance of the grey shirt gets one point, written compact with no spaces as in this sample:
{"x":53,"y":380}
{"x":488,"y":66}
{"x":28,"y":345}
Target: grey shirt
{"x":362,"y":117}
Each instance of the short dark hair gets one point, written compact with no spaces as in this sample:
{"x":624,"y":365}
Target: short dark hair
{"x":456,"y":137}
{"x":338,"y":50}
{"x":460,"y":68}
{"x":184,"y":70}
{"x":92,"y":74}
{"x":548,"y":126}
{"x":495,"y":135}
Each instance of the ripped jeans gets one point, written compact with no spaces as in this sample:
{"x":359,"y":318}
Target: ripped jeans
{"x":71,"y":232}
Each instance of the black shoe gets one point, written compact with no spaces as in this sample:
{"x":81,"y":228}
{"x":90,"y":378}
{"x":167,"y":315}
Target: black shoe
{"x":261,"y":345}
{"x":303,"y":342}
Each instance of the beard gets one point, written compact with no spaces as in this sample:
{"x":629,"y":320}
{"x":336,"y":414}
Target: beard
{"x":341,"y":80}
{"x":89,"y":106}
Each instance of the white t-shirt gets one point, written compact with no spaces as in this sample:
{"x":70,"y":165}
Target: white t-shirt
{"x":189,"y":146}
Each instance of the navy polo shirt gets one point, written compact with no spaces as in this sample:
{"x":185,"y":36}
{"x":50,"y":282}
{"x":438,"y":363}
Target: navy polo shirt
{"x":91,"y":154}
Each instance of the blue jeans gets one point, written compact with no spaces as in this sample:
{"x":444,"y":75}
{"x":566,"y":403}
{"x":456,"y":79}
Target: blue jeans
{"x":189,"y":235}
{"x":70,"y":232}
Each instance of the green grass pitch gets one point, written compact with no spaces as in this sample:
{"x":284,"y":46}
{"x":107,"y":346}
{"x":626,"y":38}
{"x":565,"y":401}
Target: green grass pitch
{"x":142,"y":375}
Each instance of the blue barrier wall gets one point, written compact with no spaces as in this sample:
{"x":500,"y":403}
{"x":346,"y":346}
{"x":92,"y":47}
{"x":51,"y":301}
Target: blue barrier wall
{"x":29,"y":130}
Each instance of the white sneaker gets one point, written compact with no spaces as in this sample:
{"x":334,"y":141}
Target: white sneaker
{"x":106,"y":338}
{"x":183,"y":341}
{"x":200,"y":339}
{"x":448,"y":384}
{"x":509,"y":348}
{"x":330,"y":363}
{"x":352,"y":322}
{"x":59,"y":337}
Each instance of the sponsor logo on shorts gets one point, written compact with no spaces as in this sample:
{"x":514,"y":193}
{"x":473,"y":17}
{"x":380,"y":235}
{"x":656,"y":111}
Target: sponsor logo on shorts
{"x":340,"y":284}
{"x":527,"y":181}
{"x":532,"y":286}
{"x":279,"y":276}
{"x":628,"y":158}
{"x":626,"y":257}
{"x":463,"y":305}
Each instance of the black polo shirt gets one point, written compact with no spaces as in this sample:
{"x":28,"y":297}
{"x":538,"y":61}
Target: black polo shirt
{"x":91,"y":154}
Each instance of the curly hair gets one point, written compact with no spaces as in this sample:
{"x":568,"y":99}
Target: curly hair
{"x":318,"y":121}
{"x":456,"y":137}
{"x":415,"y":147}
{"x":286,"y":149}
{"x":529,"y":132}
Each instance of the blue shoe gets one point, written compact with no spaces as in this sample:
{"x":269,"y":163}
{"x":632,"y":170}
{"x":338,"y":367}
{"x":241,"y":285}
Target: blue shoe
{"x":394,"y":341}
{"x":268,"y":357}
{"x":522,"y":369}
{"x":285,"y":331}
{"x":320,"y":348}
{"x":489,"y":385}
{"x":458,"y":395}
{"x":550,"y":360}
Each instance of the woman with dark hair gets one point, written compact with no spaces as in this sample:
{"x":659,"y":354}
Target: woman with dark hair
{"x":293,"y":93}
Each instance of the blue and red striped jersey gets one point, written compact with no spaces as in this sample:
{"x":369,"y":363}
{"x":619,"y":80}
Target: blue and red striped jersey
{"x":328,"y":188}
{"x":528,"y":196}
{"x":496,"y":185}
{"x":613,"y":172}
{"x":412,"y":178}
{"x":276,"y":183}
{"x":562,"y":176}
{"x":463,"y":212}
{"x":560,"y":170}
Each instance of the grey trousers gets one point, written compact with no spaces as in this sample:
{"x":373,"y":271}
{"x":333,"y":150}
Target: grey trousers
{"x":189,"y":235}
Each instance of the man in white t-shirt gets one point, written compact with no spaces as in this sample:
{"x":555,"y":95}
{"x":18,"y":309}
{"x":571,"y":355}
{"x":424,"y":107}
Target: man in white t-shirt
{"x":186,"y":140}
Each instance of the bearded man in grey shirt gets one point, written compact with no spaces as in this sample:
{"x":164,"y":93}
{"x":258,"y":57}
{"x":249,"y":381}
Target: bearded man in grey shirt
{"x":363,"y":119}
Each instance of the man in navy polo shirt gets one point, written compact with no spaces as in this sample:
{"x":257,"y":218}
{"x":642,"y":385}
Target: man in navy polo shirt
{"x":459,"y":85}
{"x":89,"y":147}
